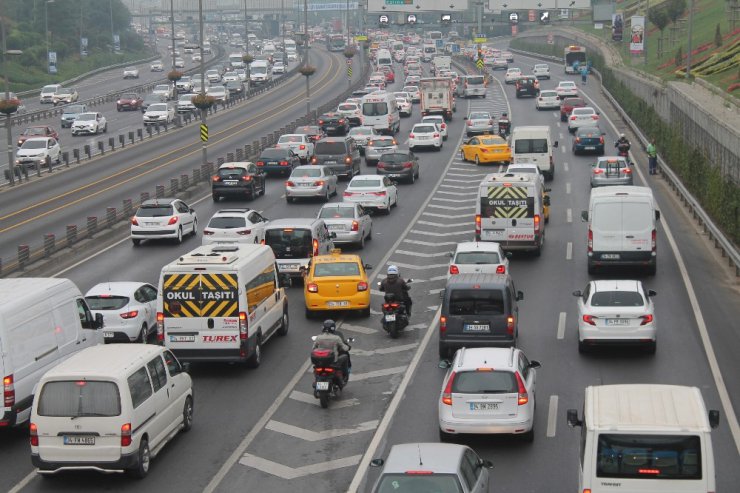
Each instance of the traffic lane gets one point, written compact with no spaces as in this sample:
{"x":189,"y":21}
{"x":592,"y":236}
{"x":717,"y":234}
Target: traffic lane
{"x":81,"y":191}
{"x":220,"y":389}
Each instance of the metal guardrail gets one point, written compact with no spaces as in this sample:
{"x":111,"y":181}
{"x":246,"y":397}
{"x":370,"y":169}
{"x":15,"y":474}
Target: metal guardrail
{"x":715,"y":234}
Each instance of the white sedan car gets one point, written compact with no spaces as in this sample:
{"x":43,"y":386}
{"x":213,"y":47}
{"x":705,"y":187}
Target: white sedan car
{"x":425,"y":135}
{"x":405,"y":106}
{"x":165,"y":90}
{"x":219,"y":93}
{"x":235,"y":226}
{"x":131,"y":73}
{"x":512,"y":75}
{"x":35,"y":151}
{"x":179,"y":63}
{"x":159,"y":114}
{"x":165,"y":218}
{"x":547,"y":100}
{"x":300,"y":144}
{"x":89,"y":124}
{"x":582,"y":117}
{"x":440,"y":121}
{"x":351,"y":223}
{"x":278,"y":68}
{"x":616,"y":312}
{"x":372,"y":192}
{"x":413,"y":92}
{"x":541,"y":71}
{"x":230,"y":76}
{"x":363,"y":135}
{"x":129,"y":310}
{"x":567,"y":89}
{"x":156,"y":66}
{"x":474,"y":257}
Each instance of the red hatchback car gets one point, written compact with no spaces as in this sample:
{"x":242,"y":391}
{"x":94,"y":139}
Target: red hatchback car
{"x":567,"y":105}
{"x":37,"y":131}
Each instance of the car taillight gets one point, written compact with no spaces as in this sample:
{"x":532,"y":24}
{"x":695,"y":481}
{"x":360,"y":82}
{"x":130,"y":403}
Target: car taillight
{"x":315,"y":247}
{"x":289,"y":184}
{"x":601,"y":139}
{"x":411,"y":135}
{"x":173,"y":220}
{"x":501,"y":269}
{"x":207,"y":232}
{"x":8,"y":391}
{"x":216,"y":178}
{"x":379,"y":194}
{"x":246,"y":178}
{"x":321,"y":122}
{"x":380,"y":166}
{"x":444,"y":125}
{"x":578,"y":139}
{"x":590,"y":241}
{"x":347,"y":194}
{"x":244,"y":232}
{"x":653,"y":241}
{"x":407,"y":165}
{"x":355,"y":226}
{"x":312,"y":287}
{"x":537,"y":224}
{"x":522,"y":390}
{"x":436,"y":135}
{"x":34,"y":432}
{"x":442,"y":324}
{"x":341,"y":120}
{"x":573,"y":117}
{"x":510,"y":325}
{"x":302,"y":147}
{"x":646,"y":319}
{"x":589,"y":319}
{"x":134,"y":221}
{"x":126,"y":435}
{"x":348,"y":159}
{"x":243,"y":326}
{"x":314,"y":160}
{"x":283,"y":163}
{"x":627,"y":171}
{"x":454,"y":269}
{"x":598,"y":171}
{"x":160,"y":327}
{"x":447,"y":394}
{"x":470,"y":123}
{"x":260,"y":163}
{"x":594,"y":117}
{"x":362,"y":286}
{"x":477,"y":224}
{"x":131,"y":314}
{"x":319,"y":183}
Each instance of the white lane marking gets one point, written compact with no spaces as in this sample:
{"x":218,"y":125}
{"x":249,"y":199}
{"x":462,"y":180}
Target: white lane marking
{"x":456,"y":194}
{"x":316,"y":436}
{"x":437,"y":233}
{"x":569,"y":251}
{"x":562,"y":149}
{"x":23,"y":482}
{"x":359,"y":328}
{"x":552,"y":416}
{"x":468,"y":175}
{"x":385,"y":350}
{"x":453,"y":180}
{"x":436,"y":291}
{"x":417,"y":267}
{"x":567,"y":187}
{"x":425,"y":255}
{"x":439,"y":278}
{"x":461,"y":200}
{"x":561,"y":325}
{"x":384,"y":372}
{"x":310,"y":399}
{"x":430,"y":243}
{"x":565,"y":166}
{"x":449,"y":208}
{"x":447,"y":216}
{"x":457,"y":187}
{"x":569,"y":215}
{"x":287,"y":472}
{"x":375,"y":292}
{"x":443,"y":225}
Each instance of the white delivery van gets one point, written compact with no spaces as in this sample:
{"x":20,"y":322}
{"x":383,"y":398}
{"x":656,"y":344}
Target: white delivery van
{"x":645,"y":438}
{"x":42,"y":321}
{"x":110,"y":409}
{"x":221,"y":303}
{"x":384,"y":58}
{"x":259,"y":72}
{"x":533,"y":144}
{"x":296,"y":241}
{"x":510,"y":211}
{"x":622,"y":228}
{"x":428,"y":51}
{"x":380,"y":111}
{"x":236,"y":61}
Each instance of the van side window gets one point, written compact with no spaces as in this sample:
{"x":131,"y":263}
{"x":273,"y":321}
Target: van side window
{"x":173,"y":366}
{"x":157,"y":372}
{"x":261,"y":287}
{"x":86,"y":317}
{"x":140,"y":387}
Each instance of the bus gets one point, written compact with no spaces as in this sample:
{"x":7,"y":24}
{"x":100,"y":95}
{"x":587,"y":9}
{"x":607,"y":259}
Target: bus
{"x":336,"y":42}
{"x":573,"y":54}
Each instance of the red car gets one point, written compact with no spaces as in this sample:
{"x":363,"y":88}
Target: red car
{"x":389,"y":76}
{"x":314,"y":132}
{"x":129,"y":101}
{"x":567,"y":105}
{"x":37,"y":131}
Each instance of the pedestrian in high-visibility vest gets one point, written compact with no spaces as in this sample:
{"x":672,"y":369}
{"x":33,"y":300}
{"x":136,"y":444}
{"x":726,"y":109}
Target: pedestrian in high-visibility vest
{"x":652,"y":153}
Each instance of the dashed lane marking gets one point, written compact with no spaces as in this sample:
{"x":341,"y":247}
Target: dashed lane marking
{"x":437,"y":233}
{"x":317,"y":436}
{"x":452,"y":180}
{"x":441,"y":225}
{"x":287,"y":472}
{"x":552,"y":417}
{"x":447,"y":207}
{"x":569,"y":251}
{"x":309,"y":399}
{"x":567,"y":187}
{"x":565,"y":166}
{"x":457,"y":201}
{"x":447,"y":216}
{"x":416,"y":267}
{"x":569,"y":215}
{"x":458,"y":187}
{"x":385,"y":350}
{"x":561,"y":325}
{"x":383,"y":372}
{"x":425,"y":255}
{"x":358,"y":328}
{"x":430,"y":243}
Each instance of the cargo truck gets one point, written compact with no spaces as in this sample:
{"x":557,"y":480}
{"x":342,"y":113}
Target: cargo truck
{"x":437,"y":97}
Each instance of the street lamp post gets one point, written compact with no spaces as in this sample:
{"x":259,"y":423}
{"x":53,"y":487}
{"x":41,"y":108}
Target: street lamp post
{"x":688,"y":53}
{"x":306,"y":48}
{"x":112,"y":33}
{"x":246,"y":45}
{"x":172,"y":33}
{"x":8,"y":122}
{"x":282,"y":31}
{"x":203,"y":111}
{"x":46,"y":27}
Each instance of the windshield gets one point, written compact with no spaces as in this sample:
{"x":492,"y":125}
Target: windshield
{"x":158,"y":107}
{"x":87,"y":116}
{"x":347,"y":107}
{"x":360,"y":131}
{"x":401,"y":483}
{"x":330,"y":148}
{"x":35,"y":131}
{"x":375,"y":109}
{"x":330,"y":269}
{"x":395,"y":157}
{"x":129,"y":96}
{"x":75,"y":108}
{"x":289,"y":243}
{"x":484,"y":382}
{"x":474,"y":79}
{"x":79,"y":398}
{"x":548,"y":94}
{"x":227,"y":222}
{"x":617,"y":298}
{"x":106,"y":302}
{"x":337,"y":213}
{"x":188,"y":98}
{"x":382,"y":142}
{"x":479,"y":116}
{"x":424,"y":129}
{"x":259,"y":70}
{"x":476,"y":302}
{"x":306,"y":173}
{"x":34,"y":144}
{"x":274,"y":154}
{"x":528,"y":146}
{"x":49,"y":89}
{"x":154,"y":211}
{"x":649,"y":457}
{"x":365,"y":183}
{"x":477,"y":258}
{"x":286,"y":139}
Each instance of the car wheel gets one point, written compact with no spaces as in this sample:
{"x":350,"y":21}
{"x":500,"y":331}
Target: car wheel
{"x":327,"y":195}
{"x":582,"y":347}
{"x":651,"y":347}
{"x":252,"y":193}
{"x":462,"y":156}
{"x":370,"y":234}
{"x":284,"y":324}
{"x":194,"y":232}
{"x":143,"y":335}
{"x":179,"y":235}
{"x":118,"y":108}
{"x":105,"y":128}
{"x":412,"y":178}
{"x":361,"y":243}
{"x":388,"y":207}
{"x":445,"y":437}
{"x":477,"y":159}
{"x":141,"y":468}
{"x":187,"y":414}
{"x":289,"y":200}
{"x":256,"y":358}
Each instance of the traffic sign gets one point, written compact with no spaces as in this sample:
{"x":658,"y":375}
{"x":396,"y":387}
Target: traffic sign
{"x":204,"y":132}
{"x":550,"y":39}
{"x":349,"y":72}
{"x":361,"y":37}
{"x":349,"y":61}
{"x":479,"y":64}
{"x":532,"y":15}
{"x":480,"y":40}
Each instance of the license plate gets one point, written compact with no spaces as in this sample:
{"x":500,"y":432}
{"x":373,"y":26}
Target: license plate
{"x":322,"y":385}
{"x":333,"y":227}
{"x":493,"y":234}
{"x":77,"y":440}
{"x":329,"y":129}
{"x":231,"y":182}
{"x":421,"y":137}
{"x":590,"y":148}
{"x":330,"y":162}
{"x":394,"y":175}
{"x":337,"y":303}
{"x":476,"y":328}
{"x":107,"y":334}
{"x":484,"y":406}
{"x":151,"y":224}
{"x":390,"y":317}
{"x":305,"y":184}
{"x":617,"y":321}
{"x":182,"y":338}
{"x":610,"y":256}
{"x":289,"y":266}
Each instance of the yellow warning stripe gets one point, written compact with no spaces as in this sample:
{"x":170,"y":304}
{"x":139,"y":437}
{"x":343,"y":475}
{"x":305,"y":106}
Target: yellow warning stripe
{"x":507,"y":193}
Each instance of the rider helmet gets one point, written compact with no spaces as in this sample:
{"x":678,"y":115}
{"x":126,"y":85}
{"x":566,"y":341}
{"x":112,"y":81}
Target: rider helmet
{"x":329,"y":326}
{"x":621,"y":136}
{"x":392,"y":271}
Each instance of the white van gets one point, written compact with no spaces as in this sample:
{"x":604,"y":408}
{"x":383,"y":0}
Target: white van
{"x":259,"y":72}
{"x":42,"y":321}
{"x":380,"y":111}
{"x":645,"y":438}
{"x":221,"y":303}
{"x":622,"y":228}
{"x":296,"y":240}
{"x":110,"y":409}
{"x":384,"y":57}
{"x":533,"y":144}
{"x":428,"y":51}
{"x":236,"y":61}
{"x":510,"y":211}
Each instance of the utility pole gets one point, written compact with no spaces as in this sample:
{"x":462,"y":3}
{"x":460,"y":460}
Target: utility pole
{"x":172,"y":33}
{"x":8,"y":122}
{"x":246,"y":45}
{"x":347,"y":23}
{"x":645,"y":31}
{"x":203,"y":111}
{"x":688,"y":55}
{"x":306,"y":48}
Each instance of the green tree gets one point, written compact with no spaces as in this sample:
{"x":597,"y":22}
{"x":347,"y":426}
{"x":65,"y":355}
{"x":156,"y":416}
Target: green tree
{"x":679,"y":57}
{"x":659,"y":18}
{"x":674,"y":9}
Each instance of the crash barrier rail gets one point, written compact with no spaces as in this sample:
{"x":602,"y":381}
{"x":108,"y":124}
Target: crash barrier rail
{"x":77,"y":239}
{"x":715,"y":234}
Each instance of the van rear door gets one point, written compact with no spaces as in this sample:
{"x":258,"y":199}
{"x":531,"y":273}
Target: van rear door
{"x":507,"y":213}
{"x":201,"y":308}
{"x":606,"y":227}
{"x":532,"y":150}
{"x":637,"y":226}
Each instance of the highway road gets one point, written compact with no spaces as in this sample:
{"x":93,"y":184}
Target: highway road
{"x":261,"y":429}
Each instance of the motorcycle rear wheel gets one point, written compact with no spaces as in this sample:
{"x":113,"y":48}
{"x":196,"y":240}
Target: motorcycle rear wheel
{"x":324,"y":399}
{"x":394,"y":331}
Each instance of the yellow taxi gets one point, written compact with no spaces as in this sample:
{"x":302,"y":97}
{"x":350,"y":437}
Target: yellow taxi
{"x":486,"y":149}
{"x":337,"y":281}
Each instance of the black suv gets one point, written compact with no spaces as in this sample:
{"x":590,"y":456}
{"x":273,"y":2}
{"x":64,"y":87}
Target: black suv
{"x":238,"y":180}
{"x":527,"y":86}
{"x":334,"y":124}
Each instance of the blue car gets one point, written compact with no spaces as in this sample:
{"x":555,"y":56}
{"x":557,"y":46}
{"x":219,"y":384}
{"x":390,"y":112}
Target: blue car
{"x":588,"y":140}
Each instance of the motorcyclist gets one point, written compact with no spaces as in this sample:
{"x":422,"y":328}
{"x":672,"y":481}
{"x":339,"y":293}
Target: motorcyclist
{"x":395,"y":284}
{"x":504,"y":124}
{"x":623,"y":144}
{"x":331,"y":338}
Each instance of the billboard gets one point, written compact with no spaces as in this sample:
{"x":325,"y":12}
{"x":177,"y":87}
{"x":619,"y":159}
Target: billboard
{"x":617,"y":26}
{"x":379,"y":6}
{"x":52,"y":56}
{"x":637,"y":34}
{"x":537,"y":4}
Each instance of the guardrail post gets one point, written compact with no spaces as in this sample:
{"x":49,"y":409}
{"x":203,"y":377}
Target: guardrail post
{"x":49,"y":244}
{"x":131,"y":137}
{"x":263,"y":142}
{"x":24,"y":255}
{"x":149,"y":130}
{"x":76,"y":155}
{"x":71,"y":234}
{"x":110,"y":216}
{"x":49,"y":164}
{"x":247,"y":151}
{"x":240,"y":154}
{"x":88,"y":151}
{"x":140,"y":134}
{"x":205,"y":172}
{"x":196,"y":175}
{"x":159,"y":191}
{"x":230,"y":157}
{"x":122,"y":140}
{"x":184,"y":181}
{"x":101,"y":147}
{"x":156,"y":127}
{"x":65,"y":158}
{"x":220,"y":161}
{"x":112,"y":143}
{"x":144,"y":197}
{"x":178,"y":121}
{"x":128,"y":207}
{"x":256,"y":147}
{"x":174,"y":186}
{"x":92,"y":226}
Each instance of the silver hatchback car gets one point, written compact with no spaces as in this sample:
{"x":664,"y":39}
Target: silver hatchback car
{"x":378,"y":146}
{"x":479,"y":122}
{"x":611,"y":170}
{"x":351,"y":222}
{"x":311,"y":181}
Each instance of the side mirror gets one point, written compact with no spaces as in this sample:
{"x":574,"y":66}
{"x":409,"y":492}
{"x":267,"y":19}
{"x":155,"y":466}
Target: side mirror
{"x":444,"y":364}
{"x":451,"y":254}
{"x":519,"y":296}
{"x":442,"y":294}
{"x":572,"y":417}
{"x":465,"y":118}
{"x":555,"y":144}
{"x":377,"y":463}
{"x":546,"y":200}
{"x":651,"y":292}
{"x":185,"y":367}
{"x":332,"y":235}
{"x":284,"y":281}
{"x":313,"y":338}
{"x":192,"y":211}
{"x":584,"y":216}
{"x":713,"y":418}
{"x":368,"y":267}
{"x":99,"y":323}
{"x":657,"y":215}
{"x":548,"y":190}
{"x":534,"y":364}
{"x":577,"y":293}
{"x":508,"y":254}
{"x":485,"y":463}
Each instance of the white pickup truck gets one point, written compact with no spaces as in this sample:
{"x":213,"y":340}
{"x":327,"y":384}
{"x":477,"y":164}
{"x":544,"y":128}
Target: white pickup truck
{"x":436,"y":97}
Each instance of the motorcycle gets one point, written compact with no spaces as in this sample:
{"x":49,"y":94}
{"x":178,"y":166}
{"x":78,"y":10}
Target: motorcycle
{"x":504,"y":127}
{"x":623,"y":150}
{"x":394,"y":318}
{"x":329,"y":379}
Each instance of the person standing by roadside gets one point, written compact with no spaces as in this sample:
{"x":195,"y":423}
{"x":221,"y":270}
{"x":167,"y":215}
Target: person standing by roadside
{"x":652,"y":157}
